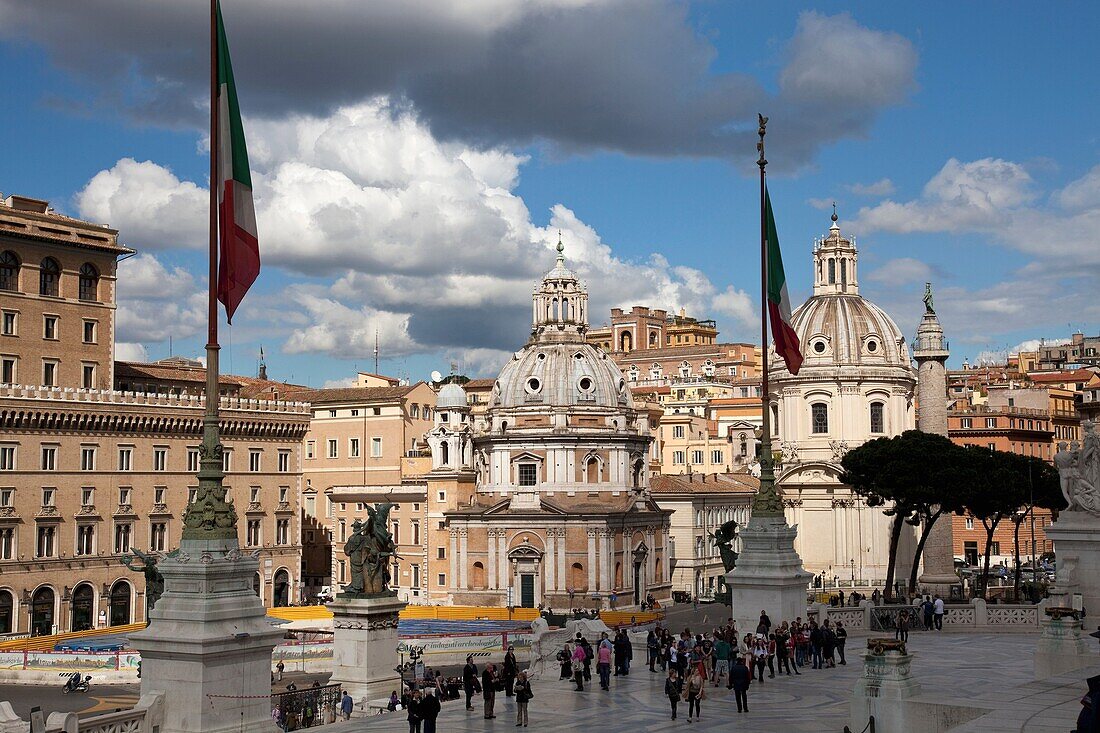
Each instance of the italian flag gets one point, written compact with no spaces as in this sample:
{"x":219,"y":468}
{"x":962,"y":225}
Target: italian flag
{"x":239,"y":253}
{"x":779,"y":302}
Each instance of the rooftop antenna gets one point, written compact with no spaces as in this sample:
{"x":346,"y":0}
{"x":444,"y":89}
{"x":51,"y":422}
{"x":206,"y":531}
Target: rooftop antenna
{"x":376,"y":351}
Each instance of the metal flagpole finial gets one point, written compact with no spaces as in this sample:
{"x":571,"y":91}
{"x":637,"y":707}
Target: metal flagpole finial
{"x":760,"y":145}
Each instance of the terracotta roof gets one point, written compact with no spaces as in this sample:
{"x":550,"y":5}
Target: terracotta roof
{"x":1075,"y":375}
{"x":695,"y":483}
{"x":350,"y":394}
{"x":172,"y":372}
{"x":671,"y":351}
{"x":253,"y":387}
{"x":478,"y":384}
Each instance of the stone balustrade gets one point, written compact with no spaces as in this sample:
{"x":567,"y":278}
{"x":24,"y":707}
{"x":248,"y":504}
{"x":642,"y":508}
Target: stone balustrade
{"x":113,"y":397}
{"x":973,"y":616}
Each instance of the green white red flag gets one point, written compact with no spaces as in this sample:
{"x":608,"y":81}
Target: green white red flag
{"x":239,"y":251}
{"x":779,"y":302}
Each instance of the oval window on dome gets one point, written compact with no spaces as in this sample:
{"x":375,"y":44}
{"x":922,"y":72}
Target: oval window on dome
{"x":533,"y":385}
{"x":819,"y":347}
{"x":586,"y":384}
{"x":541,"y":357}
{"x":872,"y":346}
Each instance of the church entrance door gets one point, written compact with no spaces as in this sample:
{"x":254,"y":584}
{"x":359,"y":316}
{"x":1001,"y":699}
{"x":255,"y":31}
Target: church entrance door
{"x":527,"y":590}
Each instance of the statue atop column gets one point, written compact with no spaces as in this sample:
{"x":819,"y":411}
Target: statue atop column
{"x":370,"y":550}
{"x":723,"y":540}
{"x":154,"y":581}
{"x":928,"y":307}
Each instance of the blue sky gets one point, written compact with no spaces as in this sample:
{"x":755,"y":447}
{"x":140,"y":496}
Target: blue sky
{"x":413,"y":166}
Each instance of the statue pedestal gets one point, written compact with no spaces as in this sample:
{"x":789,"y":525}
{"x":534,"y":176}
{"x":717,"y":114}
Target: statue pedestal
{"x":768,"y":575}
{"x":208,"y":644}
{"x":884,"y":687}
{"x":365,"y":645}
{"x":1076,"y":534}
{"x":1063,"y":644}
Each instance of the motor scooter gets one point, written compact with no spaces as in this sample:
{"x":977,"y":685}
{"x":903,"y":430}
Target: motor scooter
{"x":75,"y":683}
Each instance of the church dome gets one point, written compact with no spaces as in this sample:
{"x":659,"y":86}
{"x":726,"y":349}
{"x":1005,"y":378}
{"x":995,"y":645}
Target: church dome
{"x":561,"y":375}
{"x":451,"y":396}
{"x":837,"y":326}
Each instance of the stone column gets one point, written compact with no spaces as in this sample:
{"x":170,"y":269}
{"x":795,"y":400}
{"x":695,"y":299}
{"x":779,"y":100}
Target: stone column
{"x":651,"y":559}
{"x":930,"y":352}
{"x":490,"y":545}
{"x":453,"y":549}
{"x":605,"y":582}
{"x":548,"y":559}
{"x":884,"y":689}
{"x":591,"y":559}
{"x":463,"y":560}
{"x":502,"y":558}
{"x":562,"y":570}
{"x":365,"y":645}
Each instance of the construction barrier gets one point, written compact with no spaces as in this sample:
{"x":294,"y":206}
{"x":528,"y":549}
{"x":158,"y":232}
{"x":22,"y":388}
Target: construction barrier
{"x":47,"y":643}
{"x":465,"y":613}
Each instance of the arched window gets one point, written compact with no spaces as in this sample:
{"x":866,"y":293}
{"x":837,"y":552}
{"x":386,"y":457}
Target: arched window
{"x":819,"y":417}
{"x":832,"y":271}
{"x":7,"y":612}
{"x":89,"y":282}
{"x":444,"y":454}
{"x":49,"y":275}
{"x":625,"y":342}
{"x":878,"y":424}
{"x":42,"y":611}
{"x":843,"y":273}
{"x":9,"y":271}
{"x":80,"y":619}
{"x":592,"y":470}
{"x":280,"y":595}
{"x":256,"y":585}
{"x":120,"y":604}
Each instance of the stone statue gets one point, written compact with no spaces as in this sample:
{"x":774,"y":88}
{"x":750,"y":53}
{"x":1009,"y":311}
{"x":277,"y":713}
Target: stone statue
{"x":370,"y":550}
{"x":154,"y":581}
{"x":1079,"y":471}
{"x":723,"y":540}
{"x":928,"y":308}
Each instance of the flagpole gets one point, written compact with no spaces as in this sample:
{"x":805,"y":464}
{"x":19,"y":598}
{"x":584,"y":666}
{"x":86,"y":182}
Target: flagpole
{"x":211,"y":517}
{"x":766,"y":503}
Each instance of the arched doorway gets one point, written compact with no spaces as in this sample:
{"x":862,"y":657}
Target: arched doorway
{"x":120,"y":604}
{"x":81,"y":618}
{"x":256,"y":584}
{"x":626,"y":342}
{"x":281,"y":589}
{"x":7,"y":612}
{"x":42,"y":603}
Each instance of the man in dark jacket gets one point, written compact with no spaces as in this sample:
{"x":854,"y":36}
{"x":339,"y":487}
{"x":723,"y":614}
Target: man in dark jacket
{"x":429,"y":709}
{"x":508,"y":671}
{"x":817,"y":642}
{"x":469,"y":680}
{"x":765,"y":625}
{"x":740,"y":677}
{"x":489,"y":690}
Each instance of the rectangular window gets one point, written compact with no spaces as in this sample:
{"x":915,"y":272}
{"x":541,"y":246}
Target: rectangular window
{"x":284,"y":461}
{"x":49,"y":327}
{"x":970,"y":522}
{"x":678,"y":431}
{"x":87,"y":458}
{"x":332,"y":448}
{"x":677,"y":458}
{"x":528,"y":474}
{"x":397,"y":533}
{"x":967,"y":422}
{"x":7,"y":457}
{"x":192,"y":460}
{"x":8,"y":327}
{"x":819,"y":417}
{"x":415,"y":576}
{"x":124,"y":495}
{"x":332,"y":413}
{"x":6,"y":497}
{"x":991,"y":422}
{"x":355,"y":413}
{"x":227,"y":461}
{"x":282,"y":532}
{"x":443,"y":496}
{"x":49,"y":373}
{"x":878,"y":422}
{"x":254,"y":495}
{"x":442,"y":580}
{"x":49,"y":458}
{"x":716,"y":457}
{"x":158,"y":536}
{"x":696,"y":457}
{"x":254,"y":460}
{"x":375,"y":447}
{"x":90,"y":332}
{"x":311,"y":448}
{"x":122,"y":537}
{"x":995,"y":548}
{"x":7,"y":370}
{"x":87,"y":376}
{"x":353,"y":448}
{"x":284,"y":494}
{"x":47,"y":497}
{"x":87,"y":496}
{"x":192,"y":494}
{"x":343,"y":572}
{"x":160,"y":494}
{"x":416,"y":533}
{"x":311,"y":506}
{"x":992,"y":446}
{"x":160,"y":459}
{"x":46,"y":536}
{"x":125,"y":459}
{"x":343,"y":531}
{"x":440,"y":553}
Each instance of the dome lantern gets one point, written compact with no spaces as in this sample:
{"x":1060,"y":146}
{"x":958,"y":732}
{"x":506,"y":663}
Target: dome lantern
{"x":559,"y":304}
{"x":835,"y":260}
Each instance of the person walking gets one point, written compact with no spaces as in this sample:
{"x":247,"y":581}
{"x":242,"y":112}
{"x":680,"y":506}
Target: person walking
{"x":828,"y":643}
{"x":578,"y":667}
{"x":565,"y":658}
{"x":429,"y":710}
{"x":694,"y":690}
{"x":759,"y":656}
{"x":740,"y":678}
{"x":722,"y":652}
{"x":469,"y":680}
{"x":508,"y":670}
{"x":523,"y":696}
{"x":653,"y":649}
{"x":415,"y":714}
{"x":901,"y":633}
{"x":817,"y":641}
{"x":841,"y":639}
{"x":489,"y":690}
{"x":279,"y":671}
{"x":346,"y":705}
{"x":603,"y":666}
{"x":588,"y":656}
{"x":937,"y":612}
{"x":673,"y":689}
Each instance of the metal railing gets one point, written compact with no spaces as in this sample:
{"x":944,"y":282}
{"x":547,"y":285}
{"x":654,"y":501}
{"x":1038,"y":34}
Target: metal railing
{"x":869,"y":728}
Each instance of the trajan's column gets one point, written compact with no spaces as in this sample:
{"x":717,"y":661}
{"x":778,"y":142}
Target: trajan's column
{"x":930,"y":352}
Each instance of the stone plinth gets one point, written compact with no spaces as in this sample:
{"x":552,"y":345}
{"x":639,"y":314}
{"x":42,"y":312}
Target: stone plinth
{"x":365,"y":645}
{"x":1063,"y":645}
{"x":884,"y":687}
{"x":1076,"y":534}
{"x":768,"y":575}
{"x":208,"y":644}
